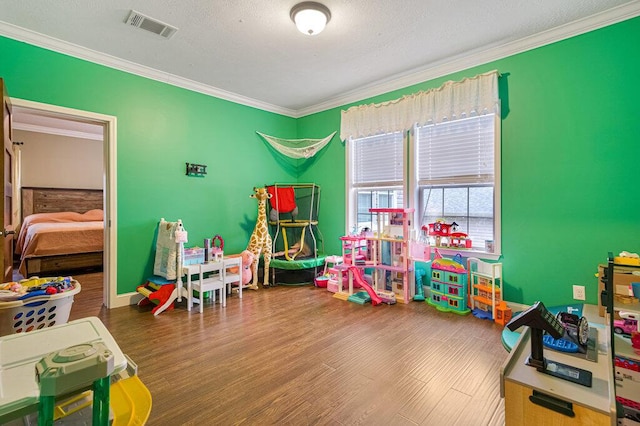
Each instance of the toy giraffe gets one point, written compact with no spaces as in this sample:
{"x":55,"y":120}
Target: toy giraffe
{"x":260,"y":241}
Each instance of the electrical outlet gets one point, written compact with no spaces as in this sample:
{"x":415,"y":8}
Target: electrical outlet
{"x":578,"y":292}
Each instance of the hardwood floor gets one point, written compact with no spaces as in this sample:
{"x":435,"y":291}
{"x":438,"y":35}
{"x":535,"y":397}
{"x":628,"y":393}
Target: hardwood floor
{"x":297,"y":356}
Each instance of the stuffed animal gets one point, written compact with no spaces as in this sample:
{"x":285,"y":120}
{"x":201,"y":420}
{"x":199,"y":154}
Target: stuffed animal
{"x":247,"y":259}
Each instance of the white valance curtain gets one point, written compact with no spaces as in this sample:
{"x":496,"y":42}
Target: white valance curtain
{"x":453,"y":100}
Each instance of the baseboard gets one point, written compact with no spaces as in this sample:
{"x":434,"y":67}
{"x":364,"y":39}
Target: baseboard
{"x":125,"y":300}
{"x":517,"y":307}
{"x":133,"y":298}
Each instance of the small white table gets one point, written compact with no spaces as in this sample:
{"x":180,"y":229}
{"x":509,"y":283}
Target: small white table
{"x":19,"y":389}
{"x":222,"y":279}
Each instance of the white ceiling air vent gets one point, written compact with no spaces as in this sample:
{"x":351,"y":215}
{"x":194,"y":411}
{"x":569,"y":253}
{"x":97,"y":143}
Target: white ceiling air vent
{"x":144,"y":22}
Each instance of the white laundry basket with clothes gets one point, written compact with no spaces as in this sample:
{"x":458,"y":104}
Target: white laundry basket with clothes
{"x":37,"y":309}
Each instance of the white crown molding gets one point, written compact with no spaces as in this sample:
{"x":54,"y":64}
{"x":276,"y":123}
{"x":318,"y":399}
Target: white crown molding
{"x":59,"y":132}
{"x":56,"y":45}
{"x":448,"y":66}
{"x":479,"y":57}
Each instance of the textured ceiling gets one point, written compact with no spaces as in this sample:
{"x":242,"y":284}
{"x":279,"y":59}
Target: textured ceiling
{"x":251,"y":49}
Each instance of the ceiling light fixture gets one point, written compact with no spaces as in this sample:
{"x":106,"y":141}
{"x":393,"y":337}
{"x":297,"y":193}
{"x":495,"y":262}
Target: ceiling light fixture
{"x":310,"y":17}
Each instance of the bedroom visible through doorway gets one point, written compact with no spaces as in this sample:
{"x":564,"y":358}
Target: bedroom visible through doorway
{"x":65,"y":157}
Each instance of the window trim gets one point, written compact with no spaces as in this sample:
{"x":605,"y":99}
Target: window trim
{"x":351,"y":212}
{"x":414,"y":190}
{"x":411,"y":190}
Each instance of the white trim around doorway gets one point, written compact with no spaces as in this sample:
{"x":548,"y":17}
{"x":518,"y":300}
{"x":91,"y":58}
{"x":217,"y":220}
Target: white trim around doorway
{"x":111,"y":297}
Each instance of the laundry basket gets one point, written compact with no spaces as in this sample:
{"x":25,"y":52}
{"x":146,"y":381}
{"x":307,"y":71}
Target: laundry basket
{"x":34,"y":313}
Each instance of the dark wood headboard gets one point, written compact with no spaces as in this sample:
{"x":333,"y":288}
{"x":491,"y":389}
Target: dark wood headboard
{"x":51,"y":200}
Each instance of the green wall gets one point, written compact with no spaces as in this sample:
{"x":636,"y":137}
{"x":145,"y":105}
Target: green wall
{"x":570,"y":161}
{"x":160,"y":128}
{"x":570,"y":156}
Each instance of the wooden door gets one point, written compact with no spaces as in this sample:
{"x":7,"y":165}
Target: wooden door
{"x":6,"y":190}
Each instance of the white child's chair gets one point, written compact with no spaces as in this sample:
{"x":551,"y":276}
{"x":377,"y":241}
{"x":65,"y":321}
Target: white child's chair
{"x":213,"y":283}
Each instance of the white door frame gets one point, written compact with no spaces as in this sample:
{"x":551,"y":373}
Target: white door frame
{"x":111,"y":298}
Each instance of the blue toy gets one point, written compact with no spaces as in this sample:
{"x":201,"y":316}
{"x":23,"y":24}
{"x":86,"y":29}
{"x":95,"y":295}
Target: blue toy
{"x":419,"y":296}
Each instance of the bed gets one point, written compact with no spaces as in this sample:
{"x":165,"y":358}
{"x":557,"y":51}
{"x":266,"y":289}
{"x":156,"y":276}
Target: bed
{"x":62,"y":230}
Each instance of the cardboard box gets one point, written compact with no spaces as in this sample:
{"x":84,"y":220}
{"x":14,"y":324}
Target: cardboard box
{"x":622,"y":279}
{"x":627,"y":382}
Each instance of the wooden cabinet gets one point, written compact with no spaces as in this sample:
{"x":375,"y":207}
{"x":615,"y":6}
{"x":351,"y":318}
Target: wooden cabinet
{"x":521,"y":411}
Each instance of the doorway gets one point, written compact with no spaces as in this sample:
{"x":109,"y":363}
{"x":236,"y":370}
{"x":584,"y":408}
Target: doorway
{"x":33,"y":116}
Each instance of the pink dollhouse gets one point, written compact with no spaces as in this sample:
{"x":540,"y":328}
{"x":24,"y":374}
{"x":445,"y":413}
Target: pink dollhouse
{"x":385,"y":253}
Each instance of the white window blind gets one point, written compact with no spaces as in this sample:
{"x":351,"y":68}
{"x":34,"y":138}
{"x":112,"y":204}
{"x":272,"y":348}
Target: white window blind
{"x":378,"y":160}
{"x":457,"y":152}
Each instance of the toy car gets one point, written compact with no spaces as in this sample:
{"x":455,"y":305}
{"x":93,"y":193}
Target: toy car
{"x":387,"y":297}
{"x":577,"y":328}
{"x":625,"y":326}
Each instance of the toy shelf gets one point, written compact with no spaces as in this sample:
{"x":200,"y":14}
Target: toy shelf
{"x":629,"y":307}
{"x":480,"y":274}
{"x":485,"y":285}
{"x":627,"y":383}
{"x":487,"y":301}
{"x":624,"y":348}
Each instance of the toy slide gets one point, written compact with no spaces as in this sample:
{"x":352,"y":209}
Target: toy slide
{"x":358,"y":278}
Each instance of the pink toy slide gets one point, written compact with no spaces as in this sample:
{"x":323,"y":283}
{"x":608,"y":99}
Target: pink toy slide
{"x":358,"y":278}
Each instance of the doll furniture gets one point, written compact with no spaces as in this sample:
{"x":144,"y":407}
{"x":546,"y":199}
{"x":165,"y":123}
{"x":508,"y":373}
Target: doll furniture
{"x":448,"y":285}
{"x":385,"y":251}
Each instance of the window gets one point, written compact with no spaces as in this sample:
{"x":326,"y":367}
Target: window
{"x":447,"y":169}
{"x":457,"y":179}
{"x":376,"y":171}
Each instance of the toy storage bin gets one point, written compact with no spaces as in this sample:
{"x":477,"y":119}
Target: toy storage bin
{"x":34,"y":313}
{"x":321,"y":281}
